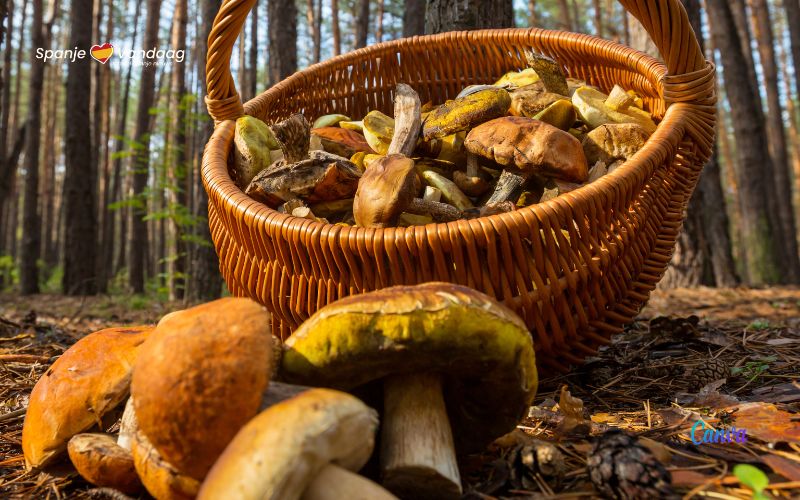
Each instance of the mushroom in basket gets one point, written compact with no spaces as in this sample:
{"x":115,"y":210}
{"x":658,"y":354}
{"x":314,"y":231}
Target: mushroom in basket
{"x":457,"y":371}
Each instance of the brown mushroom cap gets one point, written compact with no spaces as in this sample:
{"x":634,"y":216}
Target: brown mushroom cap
{"x":278,"y":453}
{"x":341,"y":141}
{"x":89,"y":380}
{"x":160,"y":478}
{"x":386,"y":188}
{"x":531,"y":146}
{"x":200,"y":378}
{"x":99,"y":460}
{"x":481,"y":349}
{"x":614,"y":141}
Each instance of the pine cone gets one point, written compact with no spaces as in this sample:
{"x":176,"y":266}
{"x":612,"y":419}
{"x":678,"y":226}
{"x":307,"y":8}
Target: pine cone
{"x":658,"y":368}
{"x":700,"y":376}
{"x":621,"y":468}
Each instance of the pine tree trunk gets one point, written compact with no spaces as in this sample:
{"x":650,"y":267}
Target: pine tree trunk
{"x":31,"y":223}
{"x":244,"y":86}
{"x":178,"y":164}
{"x":49,"y":161}
{"x":793,"y":24}
{"x":141,"y":163}
{"x":361,"y":23}
{"x":776,"y":134}
{"x":379,"y":23}
{"x":532,"y":18}
{"x":598,"y":18}
{"x":108,"y":226}
{"x":80,"y":230}
{"x":282,"y":39}
{"x":312,"y":30}
{"x":761,"y":251}
{"x":204,"y":280}
{"x":565,"y":20}
{"x":318,"y":31}
{"x":453,"y":15}
{"x":739,"y":11}
{"x":252,"y":68}
{"x":336,"y":34}
{"x":414,"y":18}
{"x":5,"y":116}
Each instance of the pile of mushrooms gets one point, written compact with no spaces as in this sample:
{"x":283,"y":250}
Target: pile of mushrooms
{"x":533,"y":135}
{"x":208,"y":404}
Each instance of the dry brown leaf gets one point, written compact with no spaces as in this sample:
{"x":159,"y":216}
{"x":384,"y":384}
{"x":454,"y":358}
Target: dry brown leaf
{"x":789,"y":469}
{"x":682,"y":477}
{"x":768,"y":423}
{"x":660,"y":450}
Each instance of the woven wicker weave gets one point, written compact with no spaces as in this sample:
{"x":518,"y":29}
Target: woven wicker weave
{"x":572,"y":291}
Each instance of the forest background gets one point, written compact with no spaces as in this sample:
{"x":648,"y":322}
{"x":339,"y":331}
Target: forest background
{"x":99,"y":163}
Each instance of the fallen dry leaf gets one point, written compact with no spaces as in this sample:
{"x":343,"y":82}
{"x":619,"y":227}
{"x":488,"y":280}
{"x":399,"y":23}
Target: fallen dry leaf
{"x":682,"y":477}
{"x":768,"y":423}
{"x":783,"y":466}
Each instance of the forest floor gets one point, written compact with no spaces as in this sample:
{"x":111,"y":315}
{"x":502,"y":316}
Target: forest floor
{"x":727,"y":356}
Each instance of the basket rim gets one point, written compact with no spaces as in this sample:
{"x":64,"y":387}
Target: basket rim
{"x":635,"y":170}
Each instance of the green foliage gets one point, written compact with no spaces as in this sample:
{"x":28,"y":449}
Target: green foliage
{"x":760,"y":324}
{"x":8,"y":271}
{"x":52,"y":279}
{"x":754,"y":369}
{"x":754,"y":478}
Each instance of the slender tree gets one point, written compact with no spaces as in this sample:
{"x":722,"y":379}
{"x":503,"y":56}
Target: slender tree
{"x":760,"y":250}
{"x":413,"y":18}
{"x":598,"y":18}
{"x":335,"y":33}
{"x":793,"y":25}
{"x":282,"y":39}
{"x":312,"y":31}
{"x":252,"y":68}
{"x":532,"y":17}
{"x":776,"y":136}
{"x":449,"y":15}
{"x":565,"y":19}
{"x":31,"y":222}
{"x":79,"y":178}
{"x":141,"y":161}
{"x":379,"y":22}
{"x":360,"y":23}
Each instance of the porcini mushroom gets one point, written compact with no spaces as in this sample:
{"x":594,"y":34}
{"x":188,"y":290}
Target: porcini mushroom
{"x":550,"y":72}
{"x":254,"y":142}
{"x":200,"y":378}
{"x":388,"y":188}
{"x":591,"y":106}
{"x":614,"y":141}
{"x":530,"y":147}
{"x":101,"y":461}
{"x":457,"y":369}
{"x":341,"y":142}
{"x":407,"y":121}
{"x":471,"y":182}
{"x":329,"y":120}
{"x":464,"y":113}
{"x":378,"y":130}
{"x":307,"y":446}
{"x":87,"y":382}
{"x":159,"y":477}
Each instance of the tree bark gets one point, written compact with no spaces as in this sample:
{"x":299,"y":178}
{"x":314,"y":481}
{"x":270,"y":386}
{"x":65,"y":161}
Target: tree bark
{"x":108,"y":225}
{"x":761,"y":251}
{"x":414,"y":18}
{"x":793,"y":23}
{"x":565,"y":19}
{"x":379,"y":23}
{"x":776,"y":135}
{"x":80,"y":204}
{"x":739,"y":11}
{"x":204,"y":280}
{"x":31,"y":223}
{"x":282,"y":39}
{"x":312,"y":31}
{"x":141,"y":162}
{"x":5,"y":116}
{"x":361,"y":23}
{"x":452,"y":15}
{"x":532,"y":17}
{"x":335,"y":33}
{"x":598,"y":18}
{"x":252,"y":68}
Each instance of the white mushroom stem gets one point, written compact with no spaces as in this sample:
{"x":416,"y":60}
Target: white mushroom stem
{"x":407,"y":121}
{"x":128,"y":426}
{"x":432,"y":194}
{"x":472,"y":164}
{"x":336,"y":483}
{"x":418,"y":456}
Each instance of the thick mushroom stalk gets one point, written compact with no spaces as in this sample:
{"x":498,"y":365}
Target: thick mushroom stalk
{"x":417,"y":449}
{"x":407,"y":121}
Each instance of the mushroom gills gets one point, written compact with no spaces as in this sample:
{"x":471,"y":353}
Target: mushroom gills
{"x":418,"y":458}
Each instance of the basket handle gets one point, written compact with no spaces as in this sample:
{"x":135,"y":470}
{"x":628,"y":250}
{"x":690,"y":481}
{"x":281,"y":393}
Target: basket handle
{"x":665,"y":20}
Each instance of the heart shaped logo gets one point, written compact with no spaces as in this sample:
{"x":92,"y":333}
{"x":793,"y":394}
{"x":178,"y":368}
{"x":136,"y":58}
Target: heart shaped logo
{"x":102,"y":53}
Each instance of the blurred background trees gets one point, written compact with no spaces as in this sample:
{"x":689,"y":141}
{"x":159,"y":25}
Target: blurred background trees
{"x":99,"y":164}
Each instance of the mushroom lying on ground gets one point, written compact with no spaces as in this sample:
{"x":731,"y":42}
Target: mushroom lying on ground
{"x":465,"y":112}
{"x":457,"y":370}
{"x":315,"y":176}
{"x":101,"y":461}
{"x":200,"y":378}
{"x":254,"y":142}
{"x":85,"y":384}
{"x":614,"y":141}
{"x":307,"y":446}
{"x":531,"y":147}
{"x":161,"y":479}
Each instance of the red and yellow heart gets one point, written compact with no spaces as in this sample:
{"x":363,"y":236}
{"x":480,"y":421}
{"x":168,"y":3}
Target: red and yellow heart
{"x":103,"y":52}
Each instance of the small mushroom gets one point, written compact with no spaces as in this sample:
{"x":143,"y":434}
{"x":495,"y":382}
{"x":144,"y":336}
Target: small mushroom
{"x":253,"y":141}
{"x":465,"y":112}
{"x":83,"y":386}
{"x":471,"y":182}
{"x":457,"y":370}
{"x":526,"y":147}
{"x":329,"y":121}
{"x":388,"y":188}
{"x":341,"y":142}
{"x":102,"y":462}
{"x":199,"y":379}
{"x":294,"y":136}
{"x":550,"y":72}
{"x":307,"y":446}
{"x":614,"y":141}
{"x":378,"y":131}
{"x":449,"y":190}
{"x":320,"y":177}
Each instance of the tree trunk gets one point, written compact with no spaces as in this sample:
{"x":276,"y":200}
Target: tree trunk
{"x":379,"y":23}
{"x":318,"y":31}
{"x":452,"y":15}
{"x":31,"y":223}
{"x":577,"y":22}
{"x":761,"y":251}
{"x":361,"y":23}
{"x":80,"y":211}
{"x":108,"y":225}
{"x":413,"y":18}
{"x":252,"y":68}
{"x":141,"y":160}
{"x":793,"y":23}
{"x":282,"y":39}
{"x":739,"y":11}
{"x":5,"y":115}
{"x":244,"y":86}
{"x":177,"y":165}
{"x":776,"y":135}
{"x":598,"y":18}
{"x":312,"y":31}
{"x":205,"y":281}
{"x":565,"y":20}
{"x":49,"y":227}
{"x":336,"y":34}
{"x":532,"y":18}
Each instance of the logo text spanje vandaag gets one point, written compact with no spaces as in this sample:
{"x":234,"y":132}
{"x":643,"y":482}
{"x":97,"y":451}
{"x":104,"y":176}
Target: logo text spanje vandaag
{"x":722,"y":435}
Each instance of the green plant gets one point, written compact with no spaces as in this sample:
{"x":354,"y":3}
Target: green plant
{"x":753,"y":478}
{"x":753,"y":369}
{"x":759,"y":324}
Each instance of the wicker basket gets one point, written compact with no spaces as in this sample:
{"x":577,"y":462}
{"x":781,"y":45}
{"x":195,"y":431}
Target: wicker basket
{"x":573,"y":292}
